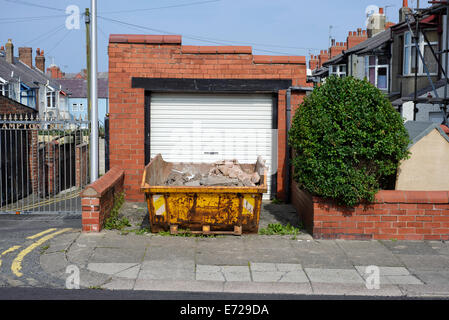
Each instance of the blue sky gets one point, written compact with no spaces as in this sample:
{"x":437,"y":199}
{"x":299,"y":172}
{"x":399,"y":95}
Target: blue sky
{"x":278,"y":27}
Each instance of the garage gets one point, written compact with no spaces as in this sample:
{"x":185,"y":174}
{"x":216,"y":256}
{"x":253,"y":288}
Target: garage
{"x":200,"y":127}
{"x":200,"y":104}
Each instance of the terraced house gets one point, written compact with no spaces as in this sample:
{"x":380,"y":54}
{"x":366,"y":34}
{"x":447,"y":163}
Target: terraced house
{"x":389,"y":60}
{"x":29,"y":85}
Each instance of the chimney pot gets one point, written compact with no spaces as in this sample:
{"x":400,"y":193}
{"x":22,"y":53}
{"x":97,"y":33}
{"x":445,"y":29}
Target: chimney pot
{"x":381,"y":10}
{"x":404,"y":3}
{"x":40,"y":60}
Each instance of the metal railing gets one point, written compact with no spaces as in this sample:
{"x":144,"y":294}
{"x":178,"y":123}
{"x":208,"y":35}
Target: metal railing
{"x":44,"y":164}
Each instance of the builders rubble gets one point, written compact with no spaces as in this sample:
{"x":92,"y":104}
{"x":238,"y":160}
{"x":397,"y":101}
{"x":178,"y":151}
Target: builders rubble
{"x":223,"y":173}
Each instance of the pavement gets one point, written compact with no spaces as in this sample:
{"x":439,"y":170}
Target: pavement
{"x":55,"y":256}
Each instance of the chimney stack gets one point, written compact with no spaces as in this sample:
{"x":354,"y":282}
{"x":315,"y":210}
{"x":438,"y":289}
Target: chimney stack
{"x":26,"y":56}
{"x":376,"y":23}
{"x":404,"y":11}
{"x":40,"y":60}
{"x":9,"y":52}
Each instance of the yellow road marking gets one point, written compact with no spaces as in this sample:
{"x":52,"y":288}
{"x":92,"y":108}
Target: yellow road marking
{"x":41,"y":233}
{"x":17,"y":263}
{"x":12,"y":249}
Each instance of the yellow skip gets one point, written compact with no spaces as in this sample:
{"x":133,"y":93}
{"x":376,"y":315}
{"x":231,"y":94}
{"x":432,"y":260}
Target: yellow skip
{"x":17,"y":263}
{"x":41,"y":233}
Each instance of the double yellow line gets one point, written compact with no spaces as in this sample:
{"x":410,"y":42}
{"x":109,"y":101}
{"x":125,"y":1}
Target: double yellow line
{"x":16,"y":266}
{"x":45,"y":202}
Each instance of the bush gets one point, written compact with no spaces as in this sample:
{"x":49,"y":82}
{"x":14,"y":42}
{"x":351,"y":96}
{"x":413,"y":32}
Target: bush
{"x":348,"y":140}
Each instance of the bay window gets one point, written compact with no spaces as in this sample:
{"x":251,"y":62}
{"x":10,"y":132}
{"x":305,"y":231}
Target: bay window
{"x":410,"y":53}
{"x":377,"y":71}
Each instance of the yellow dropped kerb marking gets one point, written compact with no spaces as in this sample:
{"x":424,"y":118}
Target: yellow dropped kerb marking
{"x":17,"y":263}
{"x":159,"y":204}
{"x":41,"y":233}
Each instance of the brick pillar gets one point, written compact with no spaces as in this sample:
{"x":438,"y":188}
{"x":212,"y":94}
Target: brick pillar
{"x":33,"y":159}
{"x":81,"y":160}
{"x":52,"y":164}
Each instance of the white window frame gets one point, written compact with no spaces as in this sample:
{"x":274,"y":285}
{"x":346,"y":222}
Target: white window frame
{"x":75,"y":107}
{"x":376,"y":67}
{"x":408,"y":63}
{"x":338,"y":71}
{"x":81,"y":107}
{"x":50,"y":92}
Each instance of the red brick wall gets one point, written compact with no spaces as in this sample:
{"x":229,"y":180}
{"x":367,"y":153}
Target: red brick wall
{"x":97,"y":200}
{"x":9,"y":106}
{"x":165,"y":57}
{"x":401,"y":215}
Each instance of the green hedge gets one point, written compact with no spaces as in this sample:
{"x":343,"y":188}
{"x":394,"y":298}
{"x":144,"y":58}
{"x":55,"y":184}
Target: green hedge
{"x":349,"y":141}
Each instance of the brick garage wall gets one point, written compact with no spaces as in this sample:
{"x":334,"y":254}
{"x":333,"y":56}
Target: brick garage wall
{"x":165,"y":57}
{"x":401,"y":215}
{"x":97,"y":200}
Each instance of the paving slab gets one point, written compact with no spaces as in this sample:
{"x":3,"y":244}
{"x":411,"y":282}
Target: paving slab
{"x":169,"y":253}
{"x":274,"y":272}
{"x":167,"y":270}
{"x":209,"y":273}
{"x":385,"y":271}
{"x":236,"y":273}
{"x":262,"y":255}
{"x":221,"y":257}
{"x":119,"y":284}
{"x":409,"y":247}
{"x":116,"y":255}
{"x":179,"y":286}
{"x":53,"y":262}
{"x":268,"y":288}
{"x":111,"y":268}
{"x":369,"y":253}
{"x":355,"y":290}
{"x":340,"y":276}
{"x":424,"y":262}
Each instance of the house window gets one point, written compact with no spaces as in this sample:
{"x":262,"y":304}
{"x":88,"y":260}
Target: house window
{"x":27,"y":96}
{"x":377,"y":71}
{"x":51,"y":99}
{"x":338,"y":70}
{"x":410,"y":53}
{"x":4,"y":89}
{"x":75,"y":107}
{"x":81,"y":107}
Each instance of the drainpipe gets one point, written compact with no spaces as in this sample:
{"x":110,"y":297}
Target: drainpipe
{"x":288,"y":149}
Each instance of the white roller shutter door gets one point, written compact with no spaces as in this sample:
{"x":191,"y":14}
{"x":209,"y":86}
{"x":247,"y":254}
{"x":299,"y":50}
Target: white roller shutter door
{"x":211,"y":127}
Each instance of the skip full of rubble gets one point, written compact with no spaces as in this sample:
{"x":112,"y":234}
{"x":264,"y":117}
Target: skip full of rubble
{"x":223,"y":173}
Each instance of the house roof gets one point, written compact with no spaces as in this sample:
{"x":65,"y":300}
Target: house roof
{"x":366,"y":47}
{"x":31,"y":77}
{"x":78,"y":87}
{"x":417,"y":130}
{"x":320,"y":72}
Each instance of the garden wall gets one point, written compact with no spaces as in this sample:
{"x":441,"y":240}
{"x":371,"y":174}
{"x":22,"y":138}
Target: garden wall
{"x":399,"y":215}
